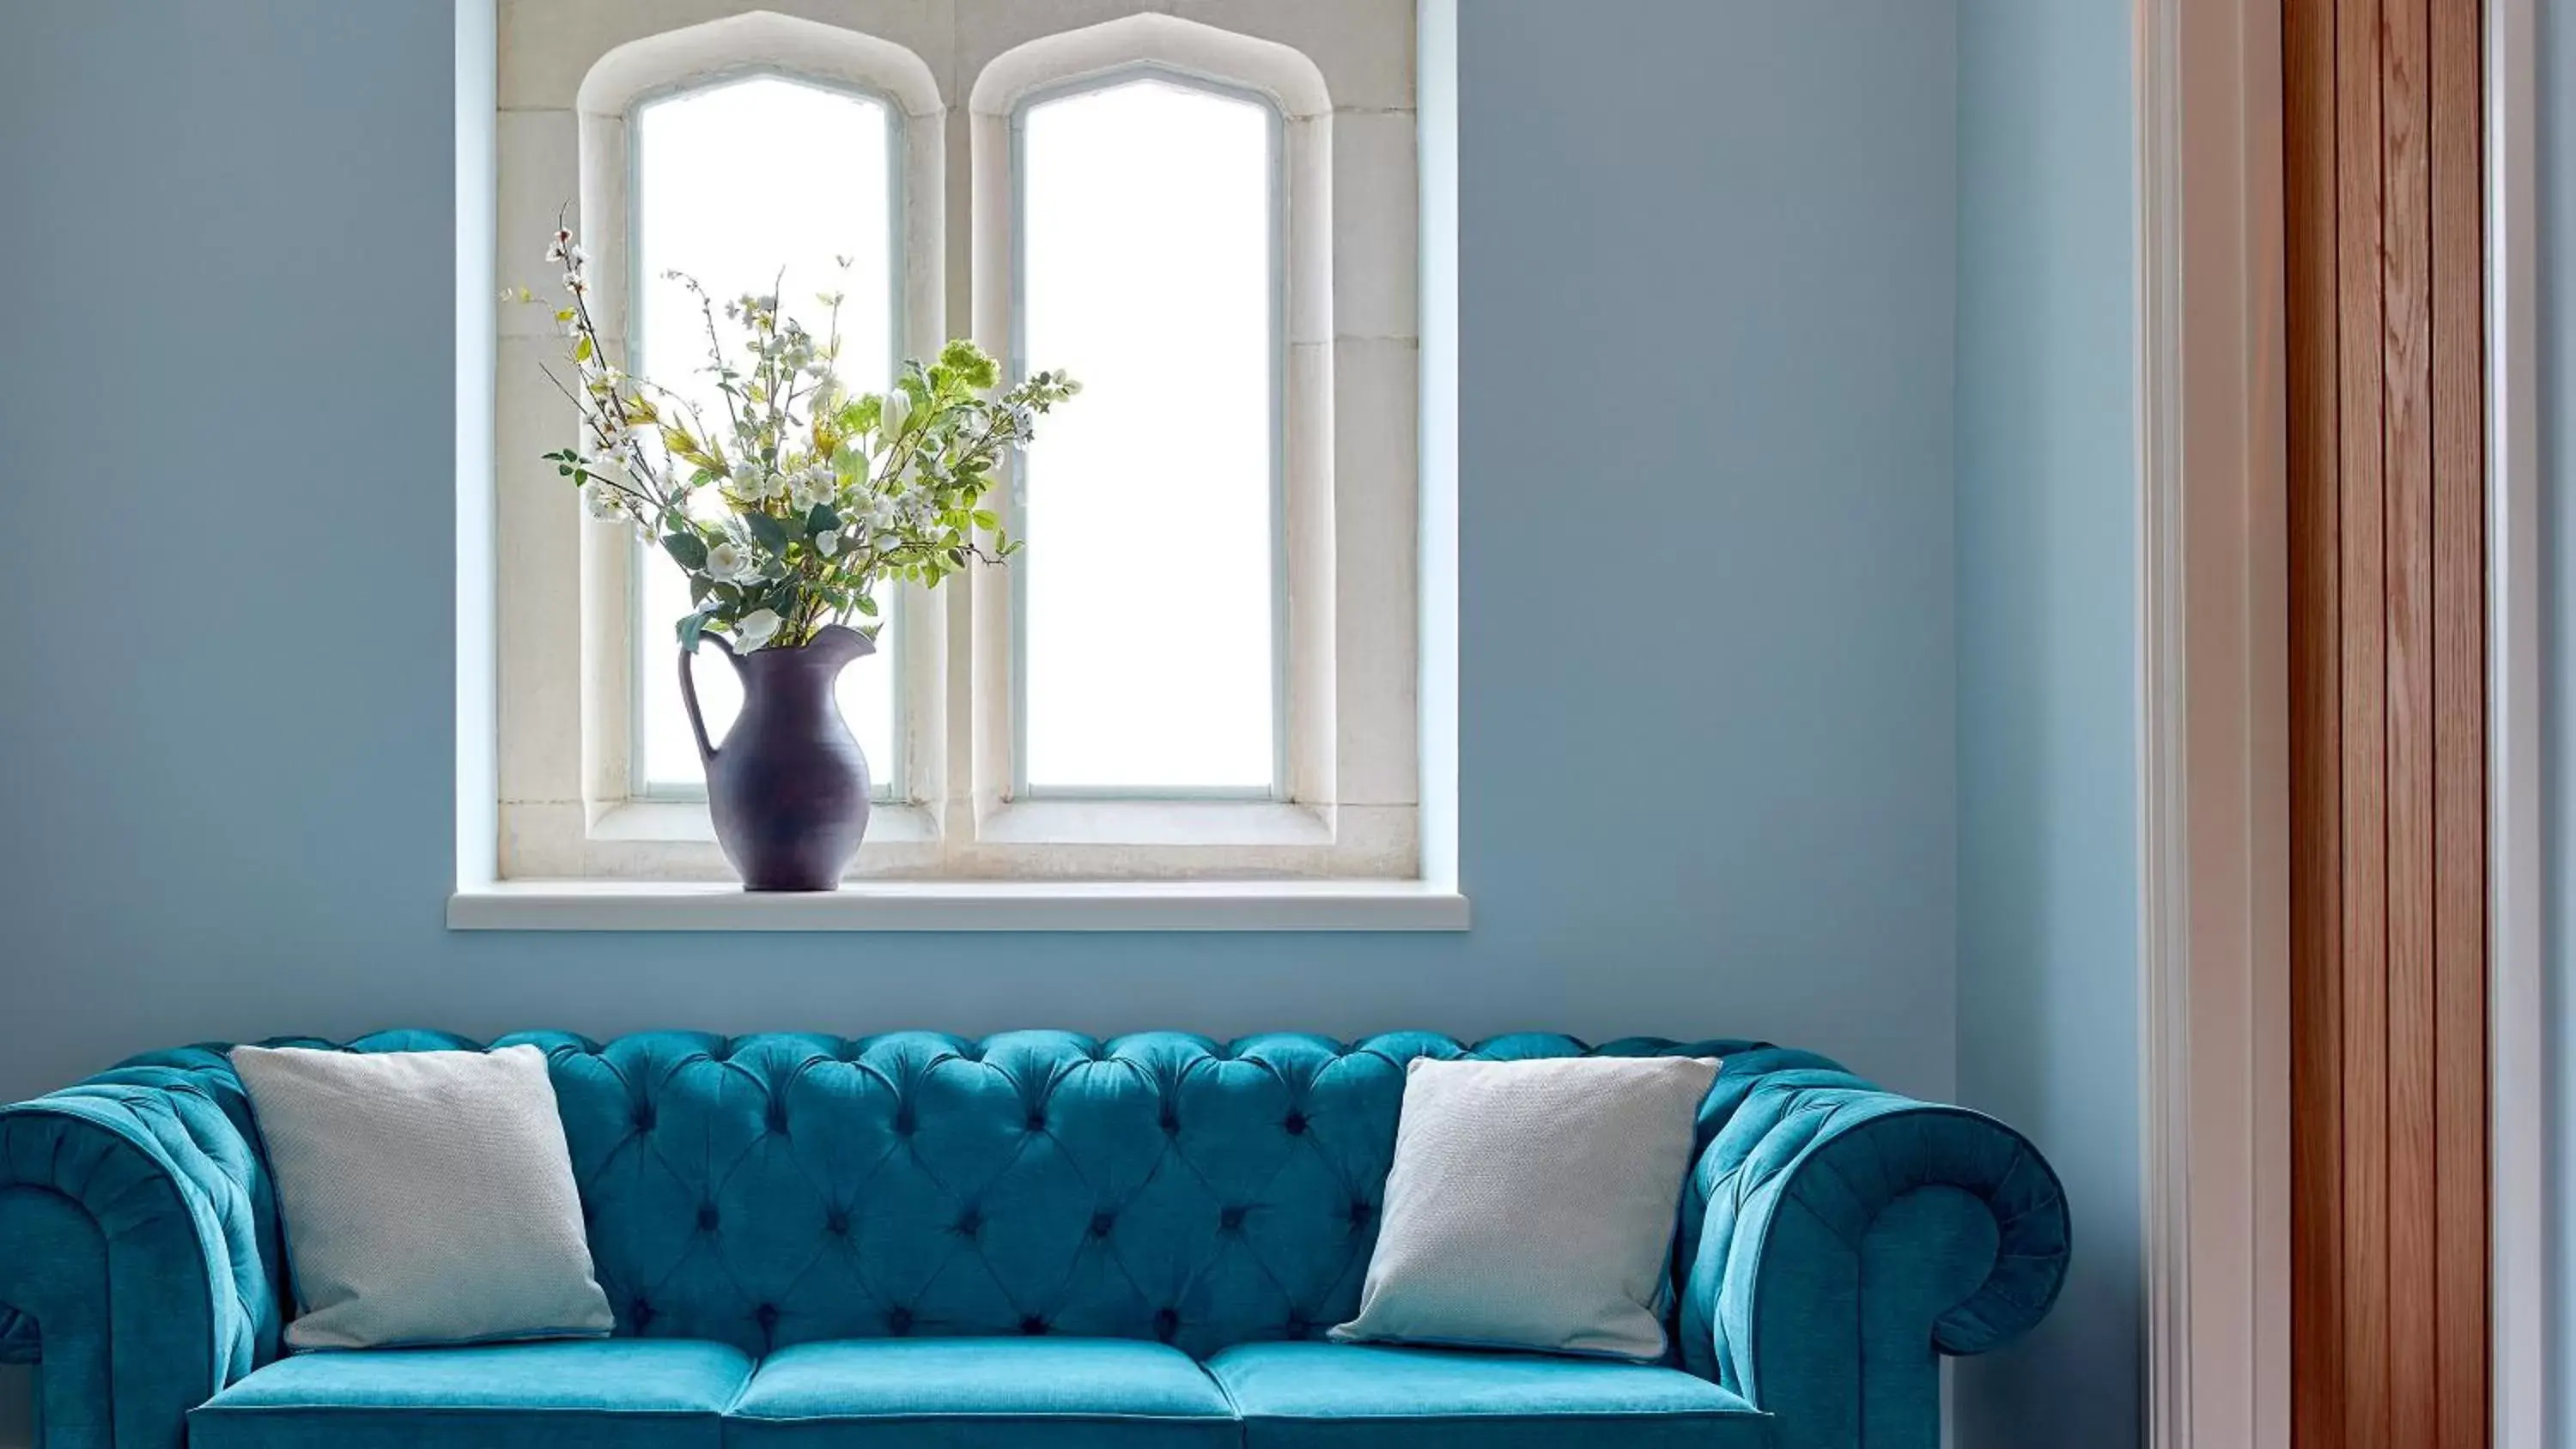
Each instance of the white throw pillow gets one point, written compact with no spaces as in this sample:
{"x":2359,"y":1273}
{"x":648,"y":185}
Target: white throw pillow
{"x":428,"y":1197}
{"x":1532,"y":1205}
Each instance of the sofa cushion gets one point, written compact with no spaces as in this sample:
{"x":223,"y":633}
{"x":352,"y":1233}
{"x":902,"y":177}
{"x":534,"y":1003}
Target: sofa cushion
{"x":626,"y":1392}
{"x":1351,"y":1396}
{"x":966,"y":1393}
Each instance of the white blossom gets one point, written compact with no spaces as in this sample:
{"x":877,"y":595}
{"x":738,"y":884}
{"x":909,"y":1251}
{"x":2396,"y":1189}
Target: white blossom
{"x":897,"y":407}
{"x":755,"y":629}
{"x":730,"y":563}
{"x":814,"y":484}
{"x":827,"y":544}
{"x":602,"y":500}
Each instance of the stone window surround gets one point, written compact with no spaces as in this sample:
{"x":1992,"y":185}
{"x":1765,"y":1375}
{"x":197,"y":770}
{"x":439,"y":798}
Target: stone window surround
{"x":1341,"y":75}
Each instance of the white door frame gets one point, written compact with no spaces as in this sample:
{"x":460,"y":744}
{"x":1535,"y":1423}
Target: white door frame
{"x":2517,"y":1067}
{"x":2213,"y":761}
{"x":2214,"y":709}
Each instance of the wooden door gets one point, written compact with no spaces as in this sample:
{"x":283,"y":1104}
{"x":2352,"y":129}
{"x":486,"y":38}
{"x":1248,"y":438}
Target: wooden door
{"x":2382,"y":131}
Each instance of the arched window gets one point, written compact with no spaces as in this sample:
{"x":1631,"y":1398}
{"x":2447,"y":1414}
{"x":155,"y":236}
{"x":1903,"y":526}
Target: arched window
{"x":1148,"y":657}
{"x":763,"y":182}
{"x":1203,"y":664}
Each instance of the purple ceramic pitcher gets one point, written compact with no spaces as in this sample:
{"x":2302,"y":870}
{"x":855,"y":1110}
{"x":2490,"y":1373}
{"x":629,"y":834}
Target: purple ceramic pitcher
{"x":788,"y":787}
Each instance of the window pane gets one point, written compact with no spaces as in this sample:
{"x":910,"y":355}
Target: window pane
{"x":733,"y":184}
{"x":1147,"y":228}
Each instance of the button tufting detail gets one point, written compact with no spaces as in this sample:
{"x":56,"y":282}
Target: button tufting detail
{"x":1032,"y":1325}
{"x":915,"y":1176}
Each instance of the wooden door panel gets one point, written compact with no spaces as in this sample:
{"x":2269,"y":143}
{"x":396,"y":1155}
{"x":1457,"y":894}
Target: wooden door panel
{"x":2387,"y":699}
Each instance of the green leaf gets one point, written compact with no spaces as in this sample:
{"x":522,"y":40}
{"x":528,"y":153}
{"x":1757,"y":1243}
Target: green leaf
{"x":771,"y":533}
{"x":986,"y":518}
{"x":581,"y":350}
{"x":822,"y":519}
{"x":865,"y":605}
{"x":691,"y":626}
{"x":686,"y":549}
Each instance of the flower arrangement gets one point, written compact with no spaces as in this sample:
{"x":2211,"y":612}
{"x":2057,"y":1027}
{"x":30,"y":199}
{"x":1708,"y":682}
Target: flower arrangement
{"x":787,"y":511}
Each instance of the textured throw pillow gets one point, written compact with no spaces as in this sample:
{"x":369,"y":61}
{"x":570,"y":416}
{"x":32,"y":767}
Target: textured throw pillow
{"x":1532,"y":1205}
{"x":428,"y":1197}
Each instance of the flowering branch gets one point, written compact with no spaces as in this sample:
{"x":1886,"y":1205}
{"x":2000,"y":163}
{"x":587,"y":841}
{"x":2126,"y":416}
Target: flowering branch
{"x":790,"y":521}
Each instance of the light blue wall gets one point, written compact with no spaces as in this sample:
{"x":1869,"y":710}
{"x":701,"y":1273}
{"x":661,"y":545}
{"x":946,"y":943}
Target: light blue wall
{"x":2048,"y":990}
{"x":1706,"y":562}
{"x":1706,"y":658}
{"x":2557,"y":395}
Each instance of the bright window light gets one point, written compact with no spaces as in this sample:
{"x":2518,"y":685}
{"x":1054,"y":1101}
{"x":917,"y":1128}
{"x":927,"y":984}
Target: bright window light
{"x":733,"y":183}
{"x":1148,"y":588}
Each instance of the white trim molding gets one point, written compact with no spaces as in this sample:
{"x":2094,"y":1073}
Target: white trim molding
{"x":2214,"y":796}
{"x":2518,"y":1274}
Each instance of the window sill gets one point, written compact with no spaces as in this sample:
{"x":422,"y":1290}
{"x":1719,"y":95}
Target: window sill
{"x":576,"y":905}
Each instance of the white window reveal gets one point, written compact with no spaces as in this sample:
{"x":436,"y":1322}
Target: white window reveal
{"x":1148,"y":597}
{"x":756,"y":185}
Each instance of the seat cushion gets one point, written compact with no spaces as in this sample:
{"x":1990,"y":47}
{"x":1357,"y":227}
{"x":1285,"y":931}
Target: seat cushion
{"x":982,"y":1393}
{"x":1353,"y":1396}
{"x":619,"y":1393}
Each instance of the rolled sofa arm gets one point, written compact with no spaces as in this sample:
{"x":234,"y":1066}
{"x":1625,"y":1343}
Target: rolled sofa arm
{"x":137,"y":1243}
{"x":1832,"y":1216}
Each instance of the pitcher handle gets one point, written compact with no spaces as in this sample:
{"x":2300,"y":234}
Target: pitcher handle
{"x":689,"y":693}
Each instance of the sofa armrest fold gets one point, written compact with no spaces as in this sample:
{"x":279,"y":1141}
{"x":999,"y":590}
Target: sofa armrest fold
{"x":137,"y":1249}
{"x":1826,"y":1215}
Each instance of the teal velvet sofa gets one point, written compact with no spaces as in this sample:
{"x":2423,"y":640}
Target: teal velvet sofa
{"x":1034,"y":1240}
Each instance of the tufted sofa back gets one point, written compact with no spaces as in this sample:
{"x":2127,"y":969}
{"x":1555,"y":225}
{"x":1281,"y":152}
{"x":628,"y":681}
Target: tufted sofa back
{"x":778,"y":1189}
